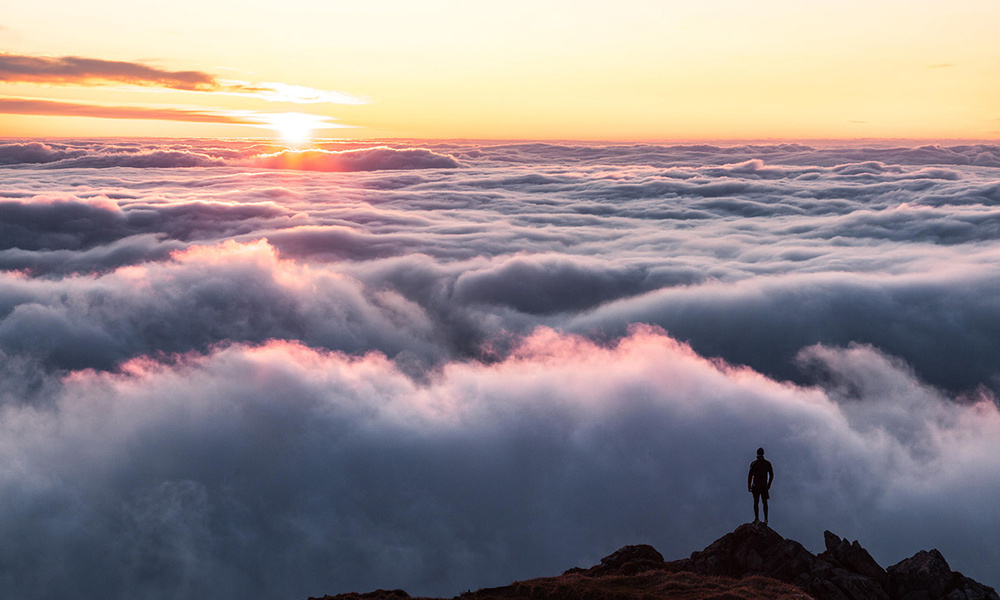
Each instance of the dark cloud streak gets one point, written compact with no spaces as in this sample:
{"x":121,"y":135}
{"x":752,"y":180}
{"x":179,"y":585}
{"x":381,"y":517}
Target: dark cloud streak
{"x":78,"y":70}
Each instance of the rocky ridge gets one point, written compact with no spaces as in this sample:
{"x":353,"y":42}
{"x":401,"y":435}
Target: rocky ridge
{"x":844,"y":571}
{"x":753,"y":562}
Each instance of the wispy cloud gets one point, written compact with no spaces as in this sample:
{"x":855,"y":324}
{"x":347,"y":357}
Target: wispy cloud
{"x":282,"y":92}
{"x":34,"y":106}
{"x":76,"y":70}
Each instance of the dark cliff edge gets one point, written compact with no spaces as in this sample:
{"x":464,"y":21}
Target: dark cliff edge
{"x":751,"y":563}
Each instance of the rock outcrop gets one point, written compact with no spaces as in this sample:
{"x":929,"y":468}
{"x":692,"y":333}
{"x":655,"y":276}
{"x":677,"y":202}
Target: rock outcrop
{"x":753,"y":562}
{"x":755,"y":549}
{"x":852,"y":557}
{"x":844,"y":571}
{"x":927,"y":576}
{"x":628,"y":560}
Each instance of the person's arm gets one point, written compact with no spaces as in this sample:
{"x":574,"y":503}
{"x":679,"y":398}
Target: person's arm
{"x":770,"y":475}
{"x":750,"y":478}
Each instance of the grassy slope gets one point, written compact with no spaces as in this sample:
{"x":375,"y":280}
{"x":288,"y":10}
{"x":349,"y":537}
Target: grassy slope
{"x":649,"y":585}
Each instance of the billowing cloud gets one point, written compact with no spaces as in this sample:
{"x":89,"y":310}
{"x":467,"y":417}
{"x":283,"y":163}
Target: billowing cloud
{"x":546,"y":284}
{"x":238,"y":292}
{"x":299,"y":373}
{"x":280,"y":471}
{"x":372,"y":158}
{"x":368,"y":159}
{"x":35,"y":153}
{"x":703,"y":251}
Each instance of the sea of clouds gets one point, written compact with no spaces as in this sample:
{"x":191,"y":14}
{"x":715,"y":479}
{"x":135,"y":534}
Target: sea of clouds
{"x":229,"y":370}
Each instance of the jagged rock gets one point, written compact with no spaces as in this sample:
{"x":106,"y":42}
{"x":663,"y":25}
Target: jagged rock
{"x":927,"y":576}
{"x":851,"y":556}
{"x":845,"y":571}
{"x":970,"y":589}
{"x":629,"y":560}
{"x":923,"y":576}
{"x":756,"y":549}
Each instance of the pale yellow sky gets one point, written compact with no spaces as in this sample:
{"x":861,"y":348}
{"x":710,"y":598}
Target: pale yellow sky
{"x":625,"y":70}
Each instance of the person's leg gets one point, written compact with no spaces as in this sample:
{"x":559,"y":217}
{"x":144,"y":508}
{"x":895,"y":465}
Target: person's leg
{"x":756,"y":510}
{"x":764,"y":500}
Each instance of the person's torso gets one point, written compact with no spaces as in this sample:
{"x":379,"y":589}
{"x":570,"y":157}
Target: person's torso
{"x":758,"y":473}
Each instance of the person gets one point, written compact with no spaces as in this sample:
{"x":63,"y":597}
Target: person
{"x":759,"y":481}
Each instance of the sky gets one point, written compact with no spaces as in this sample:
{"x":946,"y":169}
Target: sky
{"x":231,"y":371}
{"x":633,"y":71}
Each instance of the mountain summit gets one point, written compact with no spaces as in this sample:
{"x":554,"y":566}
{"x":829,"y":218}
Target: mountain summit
{"x":753,"y":562}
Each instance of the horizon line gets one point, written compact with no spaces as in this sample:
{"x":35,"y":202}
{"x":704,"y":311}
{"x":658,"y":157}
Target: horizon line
{"x":472,"y":140}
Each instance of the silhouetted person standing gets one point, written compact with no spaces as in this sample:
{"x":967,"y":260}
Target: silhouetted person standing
{"x":759,"y":481}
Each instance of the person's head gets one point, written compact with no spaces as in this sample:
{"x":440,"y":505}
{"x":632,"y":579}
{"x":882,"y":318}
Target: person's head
{"x":760,"y":453}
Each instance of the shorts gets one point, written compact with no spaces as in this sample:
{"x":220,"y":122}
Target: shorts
{"x":759,"y":494}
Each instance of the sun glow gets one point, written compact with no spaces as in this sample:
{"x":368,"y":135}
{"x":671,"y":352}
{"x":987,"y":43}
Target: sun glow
{"x":295,"y":129}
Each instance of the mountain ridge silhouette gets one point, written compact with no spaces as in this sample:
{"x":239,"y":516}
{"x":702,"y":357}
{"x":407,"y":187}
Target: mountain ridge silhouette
{"x":753,"y":562}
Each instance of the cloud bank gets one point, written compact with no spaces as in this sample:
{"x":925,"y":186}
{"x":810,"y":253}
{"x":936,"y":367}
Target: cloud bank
{"x":373,"y":158}
{"x":452,"y":365}
{"x":369,"y":159}
{"x":280,"y":471}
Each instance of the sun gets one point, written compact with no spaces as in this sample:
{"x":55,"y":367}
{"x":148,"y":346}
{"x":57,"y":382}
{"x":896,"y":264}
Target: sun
{"x":295,"y":129}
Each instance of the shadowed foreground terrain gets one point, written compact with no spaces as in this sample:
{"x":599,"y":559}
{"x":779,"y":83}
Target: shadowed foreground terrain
{"x":752,"y":563}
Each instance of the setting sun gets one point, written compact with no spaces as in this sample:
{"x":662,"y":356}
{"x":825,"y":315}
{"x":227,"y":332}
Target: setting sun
{"x":295,"y":129}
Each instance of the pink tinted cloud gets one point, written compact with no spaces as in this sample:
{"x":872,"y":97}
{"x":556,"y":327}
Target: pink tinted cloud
{"x":34,"y":106}
{"x":567,"y":445}
{"x":367,"y":159}
{"x":30,"y":106}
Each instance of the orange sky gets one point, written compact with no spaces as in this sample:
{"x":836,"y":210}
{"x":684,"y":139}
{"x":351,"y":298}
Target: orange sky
{"x":629,"y":70}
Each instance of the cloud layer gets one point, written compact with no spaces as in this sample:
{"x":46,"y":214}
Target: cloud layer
{"x":233,"y":369}
{"x":281,"y":471}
